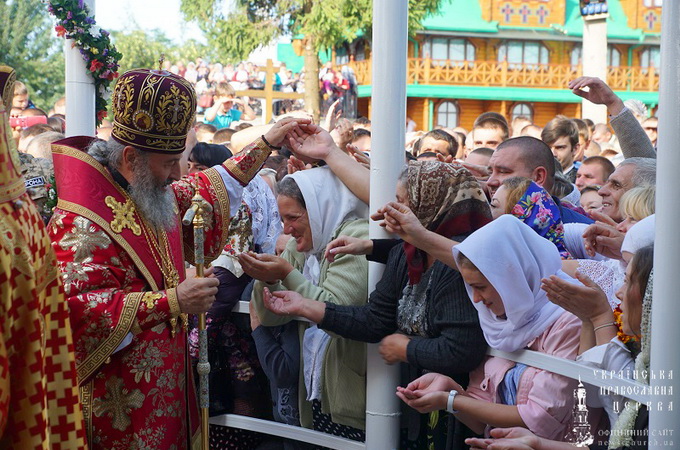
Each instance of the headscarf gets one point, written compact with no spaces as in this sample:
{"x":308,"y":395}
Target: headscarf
{"x":446,"y":199}
{"x":639,"y":235}
{"x":621,"y":434}
{"x":329,"y":203}
{"x":537,"y":209}
{"x":514,"y":259}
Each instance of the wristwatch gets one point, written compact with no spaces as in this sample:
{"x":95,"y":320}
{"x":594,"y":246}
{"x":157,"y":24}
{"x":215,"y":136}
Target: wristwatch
{"x":449,"y":402}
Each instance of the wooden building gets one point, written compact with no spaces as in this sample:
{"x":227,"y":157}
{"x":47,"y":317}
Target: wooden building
{"x":515,"y":57}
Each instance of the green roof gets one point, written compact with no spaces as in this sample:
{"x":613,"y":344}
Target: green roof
{"x":466,"y":16}
{"x":507,"y":93}
{"x":617,"y":27}
{"x":459,"y":15}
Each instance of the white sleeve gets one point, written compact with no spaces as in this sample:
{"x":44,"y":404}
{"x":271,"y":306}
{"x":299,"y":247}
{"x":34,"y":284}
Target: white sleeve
{"x":234,"y":189}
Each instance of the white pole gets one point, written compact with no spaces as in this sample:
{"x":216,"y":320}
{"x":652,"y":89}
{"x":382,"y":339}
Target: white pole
{"x":80,"y":95}
{"x":594,"y":56}
{"x":665,"y":309}
{"x":388,"y":119}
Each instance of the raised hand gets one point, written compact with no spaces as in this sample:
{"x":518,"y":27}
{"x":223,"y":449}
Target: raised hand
{"x":296,"y":165}
{"x":282,"y":129}
{"x":597,"y":91}
{"x":399,"y":219}
{"x":604,"y":239}
{"x":311,"y":142}
{"x":332,"y":116}
{"x":348,"y":245}
{"x":359,"y":156}
{"x":342,"y":133}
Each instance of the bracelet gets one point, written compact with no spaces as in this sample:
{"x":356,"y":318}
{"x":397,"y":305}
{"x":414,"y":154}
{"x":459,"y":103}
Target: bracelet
{"x":270,"y":145}
{"x":611,"y":324}
{"x":449,"y":402}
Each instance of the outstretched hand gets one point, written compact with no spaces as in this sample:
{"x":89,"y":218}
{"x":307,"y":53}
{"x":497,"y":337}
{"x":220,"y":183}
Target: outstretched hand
{"x":310,"y":142}
{"x":282,"y":129}
{"x":283,"y":303}
{"x":516,"y":438}
{"x":265,"y":267}
{"x":598,"y":92}
{"x":602,"y":237}
{"x":348,"y":245}
{"x":587,"y":302}
{"x":400,"y":220}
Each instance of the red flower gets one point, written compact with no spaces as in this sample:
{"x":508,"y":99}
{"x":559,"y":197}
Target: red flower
{"x":96,"y":65}
{"x":101,"y":115}
{"x":61,"y":31}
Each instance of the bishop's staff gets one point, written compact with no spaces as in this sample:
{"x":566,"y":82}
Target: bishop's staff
{"x":195,"y":215}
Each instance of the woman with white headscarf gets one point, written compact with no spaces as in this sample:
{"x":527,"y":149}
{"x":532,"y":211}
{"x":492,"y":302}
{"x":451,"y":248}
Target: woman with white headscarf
{"x":503,"y":264}
{"x":316,"y":207}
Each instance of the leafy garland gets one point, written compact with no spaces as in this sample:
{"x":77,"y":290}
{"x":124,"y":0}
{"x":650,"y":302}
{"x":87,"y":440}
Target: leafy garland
{"x":101,"y":57}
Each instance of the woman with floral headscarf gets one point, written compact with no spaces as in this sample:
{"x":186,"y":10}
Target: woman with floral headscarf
{"x":419,"y":310}
{"x":531,"y":204}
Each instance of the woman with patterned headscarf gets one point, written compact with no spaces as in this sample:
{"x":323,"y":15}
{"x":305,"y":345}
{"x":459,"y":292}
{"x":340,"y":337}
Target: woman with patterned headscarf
{"x":534,"y":206}
{"x":419,"y":311}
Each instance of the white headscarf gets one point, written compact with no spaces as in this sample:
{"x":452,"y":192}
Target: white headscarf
{"x":329,"y":203}
{"x":514,"y":259}
{"x":640,"y":235}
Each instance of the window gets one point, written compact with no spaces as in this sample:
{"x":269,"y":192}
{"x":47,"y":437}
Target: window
{"x":341,"y":55}
{"x":522,"y":109}
{"x":650,"y":57}
{"x":444,"y":49}
{"x":518,"y":53}
{"x":613,"y":56}
{"x":447,"y":114}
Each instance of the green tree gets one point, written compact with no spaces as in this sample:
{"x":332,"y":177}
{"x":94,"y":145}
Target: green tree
{"x":142,"y":49}
{"x":29,"y":45}
{"x":324,"y":24}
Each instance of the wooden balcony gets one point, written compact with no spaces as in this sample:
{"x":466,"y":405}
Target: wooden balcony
{"x":503,"y":74}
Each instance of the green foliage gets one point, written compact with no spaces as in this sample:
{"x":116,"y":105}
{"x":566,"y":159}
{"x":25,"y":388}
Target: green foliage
{"x":142,"y":49}
{"x":258,"y":22}
{"x":29,"y":45}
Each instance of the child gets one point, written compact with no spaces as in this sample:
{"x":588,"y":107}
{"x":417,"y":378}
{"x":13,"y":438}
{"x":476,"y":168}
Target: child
{"x":223,"y":112}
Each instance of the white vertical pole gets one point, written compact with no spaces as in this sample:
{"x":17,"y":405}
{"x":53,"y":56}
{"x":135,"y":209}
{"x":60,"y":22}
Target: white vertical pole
{"x":665,"y":307}
{"x":388,"y":119}
{"x":594,"y":55}
{"x":80,"y":95}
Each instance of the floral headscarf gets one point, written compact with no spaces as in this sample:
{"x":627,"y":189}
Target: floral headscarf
{"x":537,"y":209}
{"x":446,"y":199}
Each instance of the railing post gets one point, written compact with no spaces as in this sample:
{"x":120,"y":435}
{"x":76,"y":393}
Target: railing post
{"x":664,"y":417}
{"x":504,"y":73}
{"x":428,"y":68}
{"x":390,"y":32}
{"x":650,"y":79}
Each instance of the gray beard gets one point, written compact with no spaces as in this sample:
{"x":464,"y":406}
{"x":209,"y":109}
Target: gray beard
{"x":153,"y":200}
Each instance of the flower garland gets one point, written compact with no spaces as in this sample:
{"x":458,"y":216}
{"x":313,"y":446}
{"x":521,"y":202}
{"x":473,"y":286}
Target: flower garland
{"x":101,"y":57}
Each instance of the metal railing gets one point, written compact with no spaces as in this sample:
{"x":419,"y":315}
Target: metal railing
{"x":571,"y":369}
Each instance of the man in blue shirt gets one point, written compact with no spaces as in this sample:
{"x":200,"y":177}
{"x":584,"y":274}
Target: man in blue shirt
{"x":224,"y":111}
{"x":528,"y":157}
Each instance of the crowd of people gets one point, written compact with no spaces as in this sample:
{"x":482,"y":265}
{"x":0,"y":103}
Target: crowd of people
{"x":510,"y":236}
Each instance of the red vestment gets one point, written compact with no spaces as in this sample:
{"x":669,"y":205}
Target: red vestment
{"x":120,"y":277}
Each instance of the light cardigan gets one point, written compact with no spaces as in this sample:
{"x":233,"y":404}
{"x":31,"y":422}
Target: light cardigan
{"x":344,"y":282}
{"x":544,"y":399}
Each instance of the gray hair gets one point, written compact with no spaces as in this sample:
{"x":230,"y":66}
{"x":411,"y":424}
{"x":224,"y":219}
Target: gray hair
{"x":645,"y":170}
{"x":41,"y":145}
{"x":107,"y":153}
{"x":270,"y":174}
{"x":289,"y":188}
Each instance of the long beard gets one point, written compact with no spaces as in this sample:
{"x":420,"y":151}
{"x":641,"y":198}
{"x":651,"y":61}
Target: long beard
{"x":153,"y":199}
